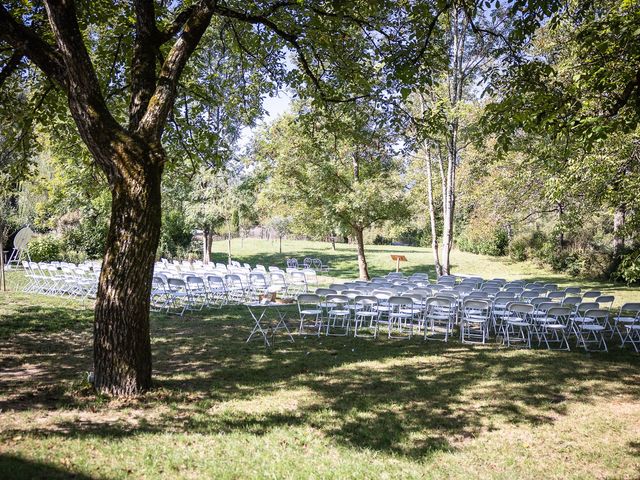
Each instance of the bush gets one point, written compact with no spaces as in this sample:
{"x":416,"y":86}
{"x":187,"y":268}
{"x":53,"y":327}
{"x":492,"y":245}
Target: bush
{"x":45,"y":248}
{"x":380,"y":240}
{"x":88,"y":237}
{"x":175,"y":236}
{"x":518,"y":249}
{"x":495,"y":244}
{"x":628,"y":269}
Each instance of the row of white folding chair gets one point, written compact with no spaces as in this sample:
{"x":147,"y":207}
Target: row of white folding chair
{"x":61,"y":279}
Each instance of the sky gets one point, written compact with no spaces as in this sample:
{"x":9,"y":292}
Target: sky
{"x":274,"y":106}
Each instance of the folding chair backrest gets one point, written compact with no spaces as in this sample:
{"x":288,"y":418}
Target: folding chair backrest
{"x":529,"y":295}
{"x":475,"y":304}
{"x":504,"y":295}
{"x":520,"y":308}
{"x":560,"y":314}
{"x":605,"y":300}
{"x":308,"y":299}
{"x":176,"y":284}
{"x":441,"y":302}
{"x":192,"y":280}
{"x":600,"y":315}
{"x":278,"y":278}
{"x":365,"y":301}
{"x":323,"y":292}
{"x":572,"y":301}
{"x":583,"y":307}
{"x":630,"y":310}
{"x":398,"y":301}
{"x":478,"y":295}
{"x":573,"y":290}
{"x":425,"y":292}
{"x":215,"y":281}
{"x":351,"y":293}
{"x":592,"y":294}
{"x":515,"y":290}
{"x":416,"y":297}
{"x":258,"y":279}
{"x":557,"y":295}
{"x":538,"y":300}
{"x":338,"y":299}
{"x":338,"y":287}
{"x":546,"y":306}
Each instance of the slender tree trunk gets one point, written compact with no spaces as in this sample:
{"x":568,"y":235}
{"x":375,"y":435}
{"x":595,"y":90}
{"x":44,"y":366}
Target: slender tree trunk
{"x":122,"y":350}
{"x":3,"y":283}
{"x":362,"y":259}
{"x":333,"y":242}
{"x":619,"y":217}
{"x":280,"y":247}
{"x":205,"y":246}
{"x":456,"y":80}
{"x":432,"y":212}
{"x":561,"y":241}
{"x":228,"y":242}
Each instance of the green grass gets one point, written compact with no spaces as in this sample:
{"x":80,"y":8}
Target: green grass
{"x":316,"y":408}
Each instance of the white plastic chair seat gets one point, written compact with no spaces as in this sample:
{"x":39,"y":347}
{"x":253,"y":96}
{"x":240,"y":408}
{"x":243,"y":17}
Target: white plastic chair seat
{"x":311,"y":312}
{"x":518,"y":323}
{"x":626,"y":319}
{"x":475,"y":319}
{"x":340,"y":312}
{"x":592,"y":327}
{"x":555,"y":326}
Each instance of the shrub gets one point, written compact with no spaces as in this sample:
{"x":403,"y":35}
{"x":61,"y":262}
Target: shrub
{"x":628,"y":269}
{"x":175,"y":236}
{"x":518,"y":249}
{"x":495,"y":244}
{"x":45,"y":248}
{"x":88,"y":237}
{"x":380,"y":240}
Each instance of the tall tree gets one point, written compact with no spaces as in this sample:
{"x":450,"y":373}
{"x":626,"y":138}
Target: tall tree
{"x":66,"y":42}
{"x":334,"y":168}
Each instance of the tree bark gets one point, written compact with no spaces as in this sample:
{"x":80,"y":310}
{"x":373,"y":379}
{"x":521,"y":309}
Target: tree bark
{"x":228,"y":242}
{"x":3,"y":283}
{"x":280,"y":239}
{"x":122,"y":350}
{"x":432,"y":216}
{"x":362,"y":259}
{"x":205,"y":246}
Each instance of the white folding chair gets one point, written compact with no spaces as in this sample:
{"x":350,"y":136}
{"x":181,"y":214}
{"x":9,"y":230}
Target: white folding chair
{"x":474,"y":324}
{"x":309,"y":308}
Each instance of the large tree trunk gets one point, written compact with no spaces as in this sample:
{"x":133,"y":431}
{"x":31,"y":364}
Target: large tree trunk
{"x":362,"y":259}
{"x":122,"y":350}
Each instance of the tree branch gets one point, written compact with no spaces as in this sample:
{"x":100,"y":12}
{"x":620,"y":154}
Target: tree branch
{"x":11,"y":66}
{"x":160,"y":104}
{"x":143,"y":61}
{"x":624,"y":98}
{"x":96,"y":125}
{"x":291,"y":38}
{"x":26,"y":41}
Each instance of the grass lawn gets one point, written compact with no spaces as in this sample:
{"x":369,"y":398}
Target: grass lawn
{"x":317,"y":408}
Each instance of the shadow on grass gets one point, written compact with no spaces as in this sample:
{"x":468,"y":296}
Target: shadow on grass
{"x":42,"y":319}
{"x":395,"y":396}
{"x":18,"y":468}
